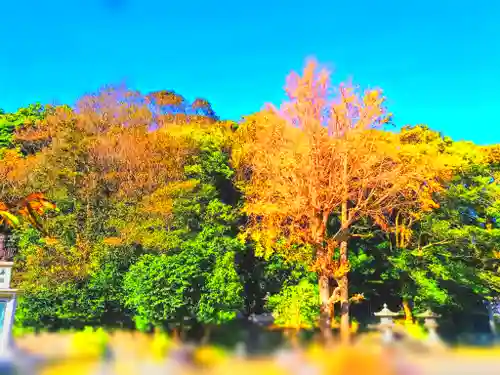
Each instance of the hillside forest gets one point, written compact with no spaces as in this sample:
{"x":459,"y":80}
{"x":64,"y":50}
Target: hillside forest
{"x":148,"y":211}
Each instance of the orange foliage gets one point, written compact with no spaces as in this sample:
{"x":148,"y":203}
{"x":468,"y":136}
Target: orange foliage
{"x":492,"y":154}
{"x":15,"y":174}
{"x":138,"y":160}
{"x":166,"y":97}
{"x":32,"y":206}
{"x":37,"y":203}
{"x":111,"y":130}
{"x":106,"y":147}
{"x":113,"y":241}
{"x":28,"y":208}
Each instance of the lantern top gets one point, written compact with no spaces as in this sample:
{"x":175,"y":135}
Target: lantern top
{"x":385,"y":312}
{"x":428,"y":314}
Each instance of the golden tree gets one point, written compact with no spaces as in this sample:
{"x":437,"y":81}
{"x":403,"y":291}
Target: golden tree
{"x":324,"y":154}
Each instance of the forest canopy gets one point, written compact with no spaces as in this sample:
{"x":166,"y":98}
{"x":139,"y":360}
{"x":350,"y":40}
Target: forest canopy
{"x":147,"y":210}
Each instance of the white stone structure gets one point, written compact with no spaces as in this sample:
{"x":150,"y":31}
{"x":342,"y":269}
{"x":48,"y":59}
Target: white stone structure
{"x":7,"y":309}
{"x":431,"y":324}
{"x":386,"y":323}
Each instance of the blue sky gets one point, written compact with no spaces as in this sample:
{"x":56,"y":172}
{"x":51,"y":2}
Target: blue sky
{"x":437,"y":61}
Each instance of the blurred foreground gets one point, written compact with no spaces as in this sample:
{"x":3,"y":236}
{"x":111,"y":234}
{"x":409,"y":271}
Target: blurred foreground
{"x":91,"y":352}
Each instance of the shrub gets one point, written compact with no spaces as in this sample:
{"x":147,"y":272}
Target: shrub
{"x":296,"y":306}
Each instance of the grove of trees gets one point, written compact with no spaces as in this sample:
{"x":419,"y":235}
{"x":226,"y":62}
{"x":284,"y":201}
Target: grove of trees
{"x":148,"y":211}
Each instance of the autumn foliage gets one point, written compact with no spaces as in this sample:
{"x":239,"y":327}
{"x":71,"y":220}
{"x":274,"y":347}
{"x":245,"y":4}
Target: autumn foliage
{"x":324,"y":153}
{"x":147,"y":211}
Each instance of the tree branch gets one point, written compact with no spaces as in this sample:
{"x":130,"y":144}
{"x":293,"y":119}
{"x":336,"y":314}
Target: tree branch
{"x":335,"y":297}
{"x":434,"y":244}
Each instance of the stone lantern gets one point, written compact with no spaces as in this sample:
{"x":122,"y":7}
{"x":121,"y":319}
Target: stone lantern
{"x":386,"y":323}
{"x":431,"y":324}
{"x":7,"y":308}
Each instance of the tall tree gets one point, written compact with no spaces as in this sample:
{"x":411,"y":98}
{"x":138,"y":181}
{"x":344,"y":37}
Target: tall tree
{"x":322,"y":156}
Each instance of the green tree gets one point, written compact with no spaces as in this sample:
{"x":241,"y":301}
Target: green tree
{"x":194,"y":278}
{"x":445,"y":259}
{"x":23,"y":117}
{"x":296,"y":306}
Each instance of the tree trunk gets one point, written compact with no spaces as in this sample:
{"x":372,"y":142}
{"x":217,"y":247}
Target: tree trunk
{"x":332,"y":313}
{"x":345,"y":332}
{"x":323,"y":281}
{"x":334,"y":298}
{"x":175,"y":335}
{"x":206,"y":335}
{"x":324,"y":323}
{"x":292,"y":335}
{"x":407,"y":310}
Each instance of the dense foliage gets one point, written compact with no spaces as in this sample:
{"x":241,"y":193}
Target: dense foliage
{"x":146,"y":211}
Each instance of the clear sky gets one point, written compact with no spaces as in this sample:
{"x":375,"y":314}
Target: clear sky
{"x":438,"y":61}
